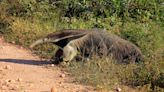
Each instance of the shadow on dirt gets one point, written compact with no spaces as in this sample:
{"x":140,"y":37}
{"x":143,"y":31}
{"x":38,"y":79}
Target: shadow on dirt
{"x":28,"y":62}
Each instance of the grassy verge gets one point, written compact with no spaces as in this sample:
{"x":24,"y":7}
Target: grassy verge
{"x":104,"y":74}
{"x":147,"y":76}
{"x":24,"y":21}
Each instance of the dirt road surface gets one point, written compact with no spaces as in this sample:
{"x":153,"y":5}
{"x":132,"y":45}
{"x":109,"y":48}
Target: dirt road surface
{"x":20,"y":71}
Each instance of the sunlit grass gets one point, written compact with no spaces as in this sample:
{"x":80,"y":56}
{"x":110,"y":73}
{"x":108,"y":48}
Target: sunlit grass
{"x":141,"y":22}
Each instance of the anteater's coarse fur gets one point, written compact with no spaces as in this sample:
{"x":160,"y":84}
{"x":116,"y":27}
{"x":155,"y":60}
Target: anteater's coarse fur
{"x":88,"y":43}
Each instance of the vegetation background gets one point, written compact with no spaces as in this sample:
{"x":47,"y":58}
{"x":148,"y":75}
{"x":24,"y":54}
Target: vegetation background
{"x":139,"y":21}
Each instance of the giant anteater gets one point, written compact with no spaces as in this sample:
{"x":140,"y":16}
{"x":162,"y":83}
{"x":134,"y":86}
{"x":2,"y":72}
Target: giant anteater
{"x":86,"y":43}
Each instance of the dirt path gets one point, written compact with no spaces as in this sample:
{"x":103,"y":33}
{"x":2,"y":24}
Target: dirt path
{"x":20,"y":71}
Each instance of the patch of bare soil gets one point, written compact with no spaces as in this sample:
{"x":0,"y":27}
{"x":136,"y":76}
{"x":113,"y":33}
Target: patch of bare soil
{"x":20,"y":71}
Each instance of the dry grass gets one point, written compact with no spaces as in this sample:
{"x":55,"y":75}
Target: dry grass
{"x":105,"y":74}
{"x":40,"y":19}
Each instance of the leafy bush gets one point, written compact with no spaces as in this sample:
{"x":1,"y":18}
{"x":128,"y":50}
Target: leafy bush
{"x":148,"y":36}
{"x":139,"y":21}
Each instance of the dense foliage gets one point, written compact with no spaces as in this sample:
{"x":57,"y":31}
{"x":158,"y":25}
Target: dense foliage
{"x":139,"y":21}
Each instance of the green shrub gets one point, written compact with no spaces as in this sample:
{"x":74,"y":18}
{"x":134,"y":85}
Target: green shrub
{"x":148,"y":36}
{"x":140,"y":22}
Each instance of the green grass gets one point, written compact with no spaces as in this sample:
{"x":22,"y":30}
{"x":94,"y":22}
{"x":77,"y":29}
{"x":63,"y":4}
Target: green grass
{"x":147,"y":76}
{"x":104,"y":74}
{"x":141,"y":22}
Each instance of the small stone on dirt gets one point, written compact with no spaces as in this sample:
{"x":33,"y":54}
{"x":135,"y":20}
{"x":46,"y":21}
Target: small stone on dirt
{"x":53,"y":89}
{"x":13,"y":88}
{"x":62,"y":75}
{"x":60,"y":82}
{"x":2,"y":47}
{"x":8,"y":67}
{"x":31,"y":85}
{"x":13,"y":42}
{"x":21,"y":47}
{"x":118,"y":89}
{"x":52,"y":65}
{"x":11,"y":81}
{"x":19,"y":79}
{"x":16,"y":86}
